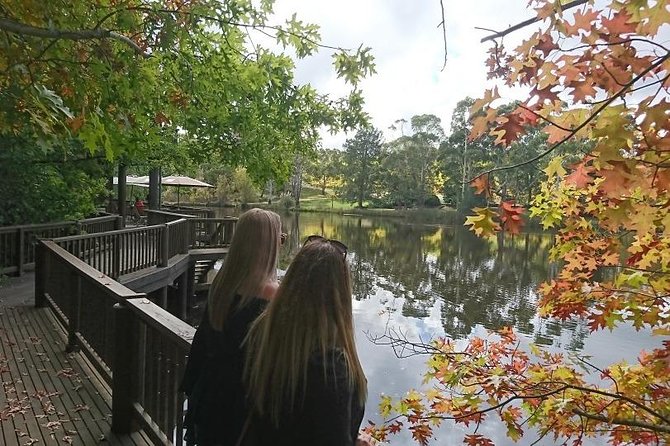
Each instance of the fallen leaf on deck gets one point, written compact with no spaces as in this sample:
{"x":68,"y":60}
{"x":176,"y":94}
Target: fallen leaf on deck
{"x":80,"y":407}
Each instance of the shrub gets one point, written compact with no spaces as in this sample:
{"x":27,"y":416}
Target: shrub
{"x":432,"y":201}
{"x":287,"y":202}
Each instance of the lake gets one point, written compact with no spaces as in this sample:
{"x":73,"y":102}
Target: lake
{"x":429,"y":281}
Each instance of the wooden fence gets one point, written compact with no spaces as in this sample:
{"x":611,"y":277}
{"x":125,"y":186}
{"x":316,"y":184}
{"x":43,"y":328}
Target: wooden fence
{"x":17,"y":243}
{"x":139,"y":348}
{"x":116,"y":253}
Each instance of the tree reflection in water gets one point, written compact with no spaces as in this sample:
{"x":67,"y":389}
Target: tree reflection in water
{"x":474,"y":281}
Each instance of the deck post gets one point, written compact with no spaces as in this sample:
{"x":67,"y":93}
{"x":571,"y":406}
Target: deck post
{"x":165,"y":241}
{"x":122,"y":191}
{"x":41,"y":274}
{"x":164,"y":297}
{"x":228,"y":232}
{"x":190,"y":284}
{"x":74,"y":316}
{"x":122,"y":373}
{"x":20,"y":251}
{"x":118,"y":222}
{"x":116,"y":256}
{"x":182,"y":287}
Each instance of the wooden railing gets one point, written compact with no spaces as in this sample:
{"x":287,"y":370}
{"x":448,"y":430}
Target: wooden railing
{"x":160,"y":344}
{"x":162,"y":217}
{"x":115,"y":253}
{"x":139,"y":348}
{"x":213,"y":232}
{"x":179,"y":235}
{"x":17,"y":242}
{"x":190,"y":210}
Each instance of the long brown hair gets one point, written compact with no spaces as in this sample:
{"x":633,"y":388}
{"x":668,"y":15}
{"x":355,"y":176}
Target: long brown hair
{"x":250,"y":263}
{"x":310,"y":314}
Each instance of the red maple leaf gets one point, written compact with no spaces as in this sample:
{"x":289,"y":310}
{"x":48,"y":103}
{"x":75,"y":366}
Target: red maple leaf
{"x":511,"y":217}
{"x":546,"y":45}
{"x":526,"y":115}
{"x":477,"y":440}
{"x":582,"y":90}
{"x":544,"y":94}
{"x":508,"y":130}
{"x":618,"y":24}
{"x":583,"y":21}
{"x":580,"y":176}
{"x":481,"y":184}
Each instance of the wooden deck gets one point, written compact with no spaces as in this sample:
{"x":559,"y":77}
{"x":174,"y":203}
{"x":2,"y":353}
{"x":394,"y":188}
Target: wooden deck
{"x":48,"y":397}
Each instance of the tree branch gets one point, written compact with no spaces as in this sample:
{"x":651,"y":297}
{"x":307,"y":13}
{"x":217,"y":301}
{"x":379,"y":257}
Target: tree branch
{"x":574,"y":131}
{"x":525,"y":23}
{"x":85,"y":34}
{"x":443,"y":24}
{"x":623,"y":421}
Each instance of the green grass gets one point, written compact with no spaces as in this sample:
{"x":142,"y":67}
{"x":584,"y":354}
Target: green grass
{"x":321,"y":203}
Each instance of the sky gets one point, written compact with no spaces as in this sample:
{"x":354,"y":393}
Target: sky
{"x":409,"y":52}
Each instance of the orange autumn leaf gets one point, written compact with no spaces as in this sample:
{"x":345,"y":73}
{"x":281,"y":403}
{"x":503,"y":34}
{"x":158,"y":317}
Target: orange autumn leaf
{"x":583,"y":20}
{"x":481,"y":185}
{"x":511,"y":217}
{"x":619,"y":24}
{"x":580,"y":176}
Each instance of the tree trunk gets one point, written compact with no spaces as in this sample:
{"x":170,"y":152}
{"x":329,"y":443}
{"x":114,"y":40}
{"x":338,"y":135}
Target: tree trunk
{"x":155,"y":189}
{"x":122,"y":192}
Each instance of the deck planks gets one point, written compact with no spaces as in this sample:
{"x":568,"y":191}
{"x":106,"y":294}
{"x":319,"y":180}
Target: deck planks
{"x":48,"y":397}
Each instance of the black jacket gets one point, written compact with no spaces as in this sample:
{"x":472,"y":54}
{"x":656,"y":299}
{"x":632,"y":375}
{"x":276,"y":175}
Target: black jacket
{"x":217,"y":408}
{"x":328,"y":414}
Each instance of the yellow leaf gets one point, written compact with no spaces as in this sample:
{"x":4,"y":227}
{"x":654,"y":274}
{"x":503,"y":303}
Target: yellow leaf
{"x":555,"y":167}
{"x":482,"y":222}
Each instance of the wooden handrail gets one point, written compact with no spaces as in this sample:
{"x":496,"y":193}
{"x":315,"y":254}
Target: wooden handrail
{"x":171,"y":327}
{"x":115,"y":232}
{"x":101,"y":280}
{"x":17,"y":242}
{"x":142,"y":354}
{"x":139,"y":348}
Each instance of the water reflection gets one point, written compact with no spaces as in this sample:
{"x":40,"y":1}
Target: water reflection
{"x":478,"y":282}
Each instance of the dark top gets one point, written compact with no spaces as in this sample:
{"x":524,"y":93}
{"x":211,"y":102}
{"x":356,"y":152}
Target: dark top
{"x":329,"y":414}
{"x":213,"y":378}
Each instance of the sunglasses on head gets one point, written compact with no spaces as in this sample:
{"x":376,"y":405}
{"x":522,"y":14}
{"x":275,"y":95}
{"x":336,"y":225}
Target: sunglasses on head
{"x":341,"y":247}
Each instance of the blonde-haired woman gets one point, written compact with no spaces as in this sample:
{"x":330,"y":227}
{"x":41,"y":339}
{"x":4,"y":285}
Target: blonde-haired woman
{"x":239,"y":293}
{"x":303,"y":377}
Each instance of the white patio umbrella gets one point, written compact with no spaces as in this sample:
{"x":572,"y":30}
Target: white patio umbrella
{"x":182,"y":181}
{"x":132,"y":180}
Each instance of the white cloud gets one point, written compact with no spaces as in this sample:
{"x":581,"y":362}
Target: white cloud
{"x":408,"y":48}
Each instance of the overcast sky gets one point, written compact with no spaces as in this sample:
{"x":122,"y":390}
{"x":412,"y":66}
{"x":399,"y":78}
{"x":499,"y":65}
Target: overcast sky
{"x":408,"y":49}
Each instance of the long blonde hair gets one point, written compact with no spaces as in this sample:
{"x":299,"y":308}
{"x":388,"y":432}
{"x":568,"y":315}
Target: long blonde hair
{"x":250,"y":263}
{"x":310,"y":314}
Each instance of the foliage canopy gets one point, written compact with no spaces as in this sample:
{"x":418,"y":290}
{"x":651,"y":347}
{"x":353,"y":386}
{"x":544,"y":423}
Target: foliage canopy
{"x":598,"y":75}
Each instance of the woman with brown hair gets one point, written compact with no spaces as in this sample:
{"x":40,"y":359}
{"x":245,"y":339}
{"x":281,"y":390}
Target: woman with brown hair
{"x":239,"y":293}
{"x":303,"y":377}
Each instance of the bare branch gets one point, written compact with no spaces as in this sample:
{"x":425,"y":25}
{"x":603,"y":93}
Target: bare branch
{"x":623,"y":421}
{"x":443,"y":24}
{"x":525,"y":23}
{"x":85,"y":34}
